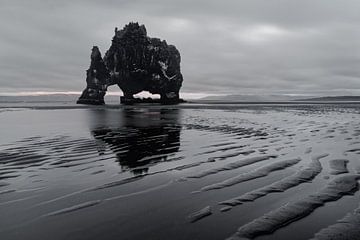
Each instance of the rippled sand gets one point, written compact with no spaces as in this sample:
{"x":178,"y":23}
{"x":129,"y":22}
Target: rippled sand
{"x":280,"y":171}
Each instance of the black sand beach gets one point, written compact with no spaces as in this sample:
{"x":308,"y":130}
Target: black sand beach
{"x":192,"y":171}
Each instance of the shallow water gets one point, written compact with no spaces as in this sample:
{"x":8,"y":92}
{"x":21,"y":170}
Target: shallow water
{"x":110,"y":172}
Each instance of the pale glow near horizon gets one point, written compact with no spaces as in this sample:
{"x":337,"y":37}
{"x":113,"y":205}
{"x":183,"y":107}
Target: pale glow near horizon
{"x":109,"y":93}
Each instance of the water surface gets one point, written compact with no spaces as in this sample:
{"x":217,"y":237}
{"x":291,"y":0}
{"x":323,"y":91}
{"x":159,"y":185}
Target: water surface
{"x":148,"y":172}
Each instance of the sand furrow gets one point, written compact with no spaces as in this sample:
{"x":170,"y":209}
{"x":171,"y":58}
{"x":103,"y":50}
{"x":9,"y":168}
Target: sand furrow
{"x":196,"y":216}
{"x":303,"y":175}
{"x":116,"y":183}
{"x":150,"y":189}
{"x":233,"y":165}
{"x":7,"y":191}
{"x":338,"y":166}
{"x":270,"y":222}
{"x":224,"y":149}
{"x":231,"y":155}
{"x":257,"y":173}
{"x":73,"y":208}
{"x":219,"y":144}
{"x":346,"y":228}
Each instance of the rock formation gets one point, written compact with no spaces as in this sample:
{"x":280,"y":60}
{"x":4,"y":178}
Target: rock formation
{"x":136,"y":63}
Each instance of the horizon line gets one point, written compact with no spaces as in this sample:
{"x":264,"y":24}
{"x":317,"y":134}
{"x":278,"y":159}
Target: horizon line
{"x":109,"y":93}
{"x":186,"y":95}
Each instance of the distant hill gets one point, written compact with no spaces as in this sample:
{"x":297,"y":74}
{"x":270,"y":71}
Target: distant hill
{"x":277,"y":98}
{"x":250,"y":98}
{"x":50,"y":98}
{"x":332,"y":99}
{"x":39,"y":98}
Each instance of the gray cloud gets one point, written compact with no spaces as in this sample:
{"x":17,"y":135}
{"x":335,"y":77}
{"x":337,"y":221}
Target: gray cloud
{"x":279,"y":46}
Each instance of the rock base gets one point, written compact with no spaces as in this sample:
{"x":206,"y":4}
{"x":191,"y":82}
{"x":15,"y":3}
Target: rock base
{"x":131,"y":101}
{"x":90,"y":102}
{"x":92,"y":96}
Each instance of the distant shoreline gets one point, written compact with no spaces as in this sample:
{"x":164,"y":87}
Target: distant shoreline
{"x":188,"y":105}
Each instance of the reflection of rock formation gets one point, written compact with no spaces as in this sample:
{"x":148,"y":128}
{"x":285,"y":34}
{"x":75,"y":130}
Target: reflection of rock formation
{"x":136,"y":63}
{"x":138,"y":144}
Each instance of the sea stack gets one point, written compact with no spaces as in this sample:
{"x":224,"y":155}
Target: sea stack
{"x":136,"y":63}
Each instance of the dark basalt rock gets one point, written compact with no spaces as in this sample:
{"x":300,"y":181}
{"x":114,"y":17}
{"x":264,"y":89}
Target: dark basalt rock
{"x":136,"y":63}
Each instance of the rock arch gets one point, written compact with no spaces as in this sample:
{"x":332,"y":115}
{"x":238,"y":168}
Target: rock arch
{"x":136,"y":63}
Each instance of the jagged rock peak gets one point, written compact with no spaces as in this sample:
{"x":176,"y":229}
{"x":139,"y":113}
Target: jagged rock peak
{"x":131,"y":31}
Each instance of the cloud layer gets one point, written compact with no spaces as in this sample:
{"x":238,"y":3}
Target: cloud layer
{"x":253,"y":46}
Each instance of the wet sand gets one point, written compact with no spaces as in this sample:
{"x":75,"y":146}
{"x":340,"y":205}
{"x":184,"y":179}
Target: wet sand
{"x":193,"y":171}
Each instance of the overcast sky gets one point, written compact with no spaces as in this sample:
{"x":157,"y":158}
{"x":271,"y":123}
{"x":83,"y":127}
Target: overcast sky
{"x":235,"y":46}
